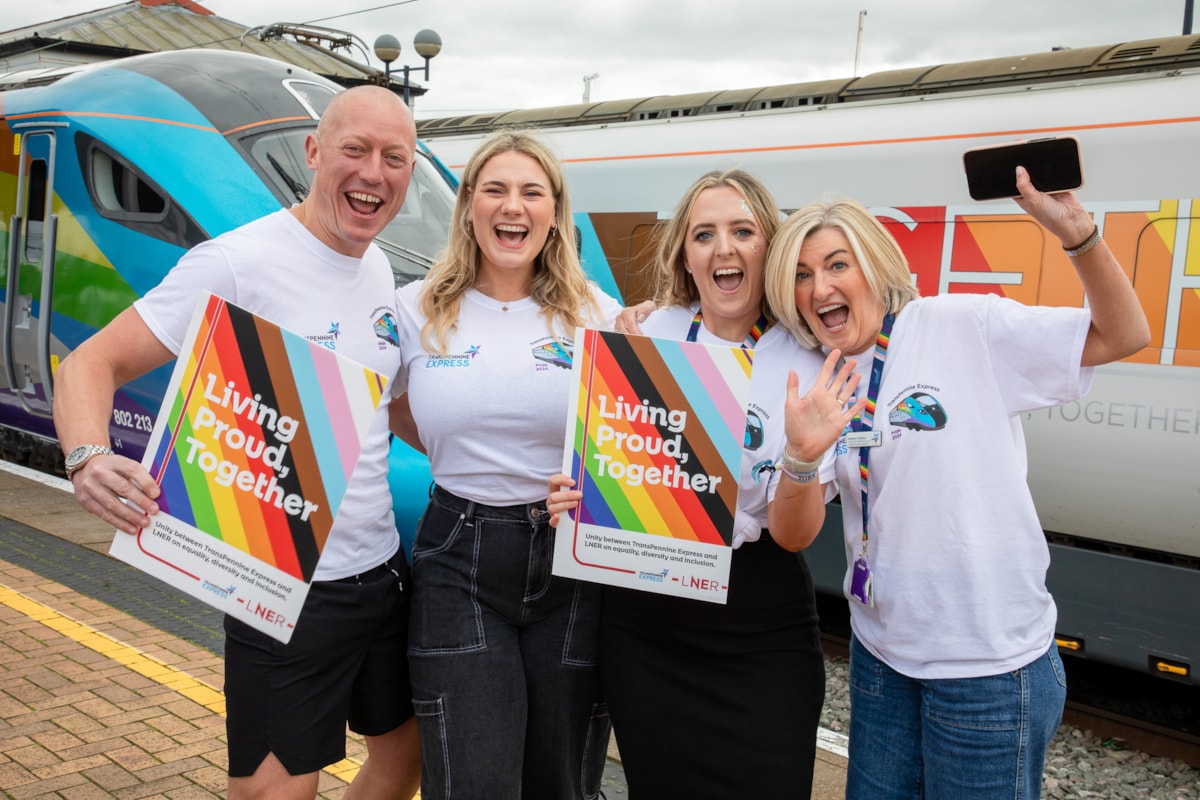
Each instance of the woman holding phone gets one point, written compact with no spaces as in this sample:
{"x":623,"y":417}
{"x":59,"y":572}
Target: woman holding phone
{"x":956,"y":686}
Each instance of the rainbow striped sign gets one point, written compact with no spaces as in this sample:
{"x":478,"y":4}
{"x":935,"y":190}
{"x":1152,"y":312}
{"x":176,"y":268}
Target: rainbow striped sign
{"x":258,"y":435}
{"x":654,"y":442}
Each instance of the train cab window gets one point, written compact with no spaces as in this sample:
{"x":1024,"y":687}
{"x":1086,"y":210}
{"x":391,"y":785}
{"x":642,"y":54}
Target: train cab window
{"x":124,"y":194}
{"x":313,"y":96}
{"x":278,"y":155}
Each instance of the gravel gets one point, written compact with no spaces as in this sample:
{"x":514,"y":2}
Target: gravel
{"x":1078,"y":764}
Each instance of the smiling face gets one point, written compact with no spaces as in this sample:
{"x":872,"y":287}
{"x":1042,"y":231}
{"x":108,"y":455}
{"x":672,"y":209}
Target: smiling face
{"x":511,"y":211}
{"x":833,"y":295}
{"x":363,"y":154}
{"x":724,"y":250}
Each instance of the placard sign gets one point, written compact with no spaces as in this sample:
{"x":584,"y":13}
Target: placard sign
{"x":255,"y":443}
{"x":654,"y":441}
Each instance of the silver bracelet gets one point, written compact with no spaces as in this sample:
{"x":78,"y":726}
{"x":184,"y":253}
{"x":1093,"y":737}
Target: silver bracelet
{"x":790,"y":463}
{"x":1088,"y":244}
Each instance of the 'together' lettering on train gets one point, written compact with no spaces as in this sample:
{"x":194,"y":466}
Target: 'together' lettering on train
{"x":613,"y":447}
{"x":213,"y":437}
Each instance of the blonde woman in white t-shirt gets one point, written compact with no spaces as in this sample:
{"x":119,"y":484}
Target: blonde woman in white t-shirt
{"x":503,"y":654}
{"x":713,"y":701}
{"x":956,"y":686}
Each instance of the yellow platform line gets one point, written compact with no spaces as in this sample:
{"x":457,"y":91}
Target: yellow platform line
{"x":195,"y":690}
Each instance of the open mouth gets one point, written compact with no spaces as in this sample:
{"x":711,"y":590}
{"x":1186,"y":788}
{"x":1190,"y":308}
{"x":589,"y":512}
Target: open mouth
{"x":512,"y":235}
{"x":728,"y":279}
{"x":363,"y":203}
{"x":834,"y":317}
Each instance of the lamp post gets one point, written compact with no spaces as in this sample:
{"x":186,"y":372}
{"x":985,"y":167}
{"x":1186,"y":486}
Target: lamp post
{"x":387,"y":49}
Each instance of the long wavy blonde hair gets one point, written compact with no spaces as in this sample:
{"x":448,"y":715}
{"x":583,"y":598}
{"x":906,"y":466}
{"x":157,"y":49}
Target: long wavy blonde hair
{"x":559,"y":285}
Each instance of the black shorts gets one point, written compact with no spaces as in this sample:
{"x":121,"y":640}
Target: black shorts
{"x":346,"y":662}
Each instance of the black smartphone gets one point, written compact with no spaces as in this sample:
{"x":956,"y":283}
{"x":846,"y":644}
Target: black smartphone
{"x":1053,"y":166}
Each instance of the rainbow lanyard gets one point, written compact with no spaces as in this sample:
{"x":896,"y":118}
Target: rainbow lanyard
{"x":756,"y":331}
{"x":867,"y":419}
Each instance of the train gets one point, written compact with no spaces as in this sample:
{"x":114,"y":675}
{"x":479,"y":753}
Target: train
{"x":1115,"y":476}
{"x":109,"y":172}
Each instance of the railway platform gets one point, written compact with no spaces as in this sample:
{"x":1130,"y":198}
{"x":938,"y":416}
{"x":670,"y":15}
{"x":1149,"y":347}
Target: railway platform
{"x":110,"y":681}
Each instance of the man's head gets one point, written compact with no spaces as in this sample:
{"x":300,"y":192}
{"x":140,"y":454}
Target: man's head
{"x":363,"y":153}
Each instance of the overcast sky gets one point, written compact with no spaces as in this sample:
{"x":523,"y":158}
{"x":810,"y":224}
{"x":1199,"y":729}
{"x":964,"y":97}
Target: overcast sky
{"x":527,"y":53}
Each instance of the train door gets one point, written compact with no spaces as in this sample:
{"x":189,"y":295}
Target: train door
{"x":29,"y":279}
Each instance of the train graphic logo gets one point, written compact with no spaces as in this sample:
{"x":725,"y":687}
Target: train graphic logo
{"x":754,"y":431}
{"x":385,"y":329}
{"x":554,"y":353}
{"x":919,"y":412}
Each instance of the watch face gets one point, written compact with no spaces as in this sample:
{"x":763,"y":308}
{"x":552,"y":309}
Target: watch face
{"x":80,"y":455}
{"x":77,"y":455}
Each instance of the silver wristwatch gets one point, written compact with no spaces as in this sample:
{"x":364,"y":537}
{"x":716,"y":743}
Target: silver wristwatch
{"x":80,"y":455}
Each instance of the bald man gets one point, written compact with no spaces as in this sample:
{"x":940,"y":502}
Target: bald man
{"x":302,"y":268}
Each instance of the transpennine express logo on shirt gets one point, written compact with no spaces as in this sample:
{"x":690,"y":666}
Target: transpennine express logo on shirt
{"x":328,"y":340}
{"x":452,"y":361}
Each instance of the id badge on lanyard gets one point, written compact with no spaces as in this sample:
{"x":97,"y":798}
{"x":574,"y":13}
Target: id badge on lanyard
{"x":864,"y":437}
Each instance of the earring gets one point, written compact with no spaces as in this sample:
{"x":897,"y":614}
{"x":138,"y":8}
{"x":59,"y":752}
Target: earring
{"x":553,"y":231}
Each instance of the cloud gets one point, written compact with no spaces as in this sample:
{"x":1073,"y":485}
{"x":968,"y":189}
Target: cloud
{"x":528,"y":53}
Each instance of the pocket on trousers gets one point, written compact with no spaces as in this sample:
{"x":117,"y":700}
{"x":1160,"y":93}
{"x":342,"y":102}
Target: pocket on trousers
{"x":444,"y":616}
{"x":583,"y":626}
{"x":431,"y":723}
{"x":866,"y":676}
{"x":437,"y":531}
{"x":595,"y":750}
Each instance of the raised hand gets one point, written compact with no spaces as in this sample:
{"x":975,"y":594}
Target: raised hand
{"x":815,"y":420}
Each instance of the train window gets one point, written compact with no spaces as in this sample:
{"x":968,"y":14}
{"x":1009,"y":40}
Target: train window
{"x":118,"y":188}
{"x":419,"y":232}
{"x":313,"y":96}
{"x":278,"y":155}
{"x":123,"y":194}
{"x":35,"y":210}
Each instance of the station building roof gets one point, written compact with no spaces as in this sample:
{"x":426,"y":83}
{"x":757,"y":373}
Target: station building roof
{"x":149,"y":26}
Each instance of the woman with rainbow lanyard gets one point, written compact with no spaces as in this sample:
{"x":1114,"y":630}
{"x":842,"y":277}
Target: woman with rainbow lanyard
{"x":708,"y":700}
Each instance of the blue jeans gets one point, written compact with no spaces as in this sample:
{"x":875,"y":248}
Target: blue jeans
{"x":503,"y":659}
{"x":981,"y":738}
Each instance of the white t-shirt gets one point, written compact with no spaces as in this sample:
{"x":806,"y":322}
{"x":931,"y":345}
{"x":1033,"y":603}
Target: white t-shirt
{"x":956,"y":552}
{"x":776,"y":352}
{"x":492,"y":409}
{"x":276,"y":269}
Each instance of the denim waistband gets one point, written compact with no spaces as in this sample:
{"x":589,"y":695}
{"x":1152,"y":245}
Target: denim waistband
{"x":534,"y":513}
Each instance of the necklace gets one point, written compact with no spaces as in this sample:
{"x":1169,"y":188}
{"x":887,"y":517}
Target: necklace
{"x":485,"y":290}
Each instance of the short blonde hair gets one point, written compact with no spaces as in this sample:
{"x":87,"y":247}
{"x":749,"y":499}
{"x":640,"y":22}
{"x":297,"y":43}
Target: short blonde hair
{"x":673,"y":284}
{"x":559,"y":286}
{"x":880,"y":257}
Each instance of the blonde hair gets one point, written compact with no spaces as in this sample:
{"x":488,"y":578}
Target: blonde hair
{"x":673,"y":284}
{"x":880,"y":257}
{"x":559,"y":285}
